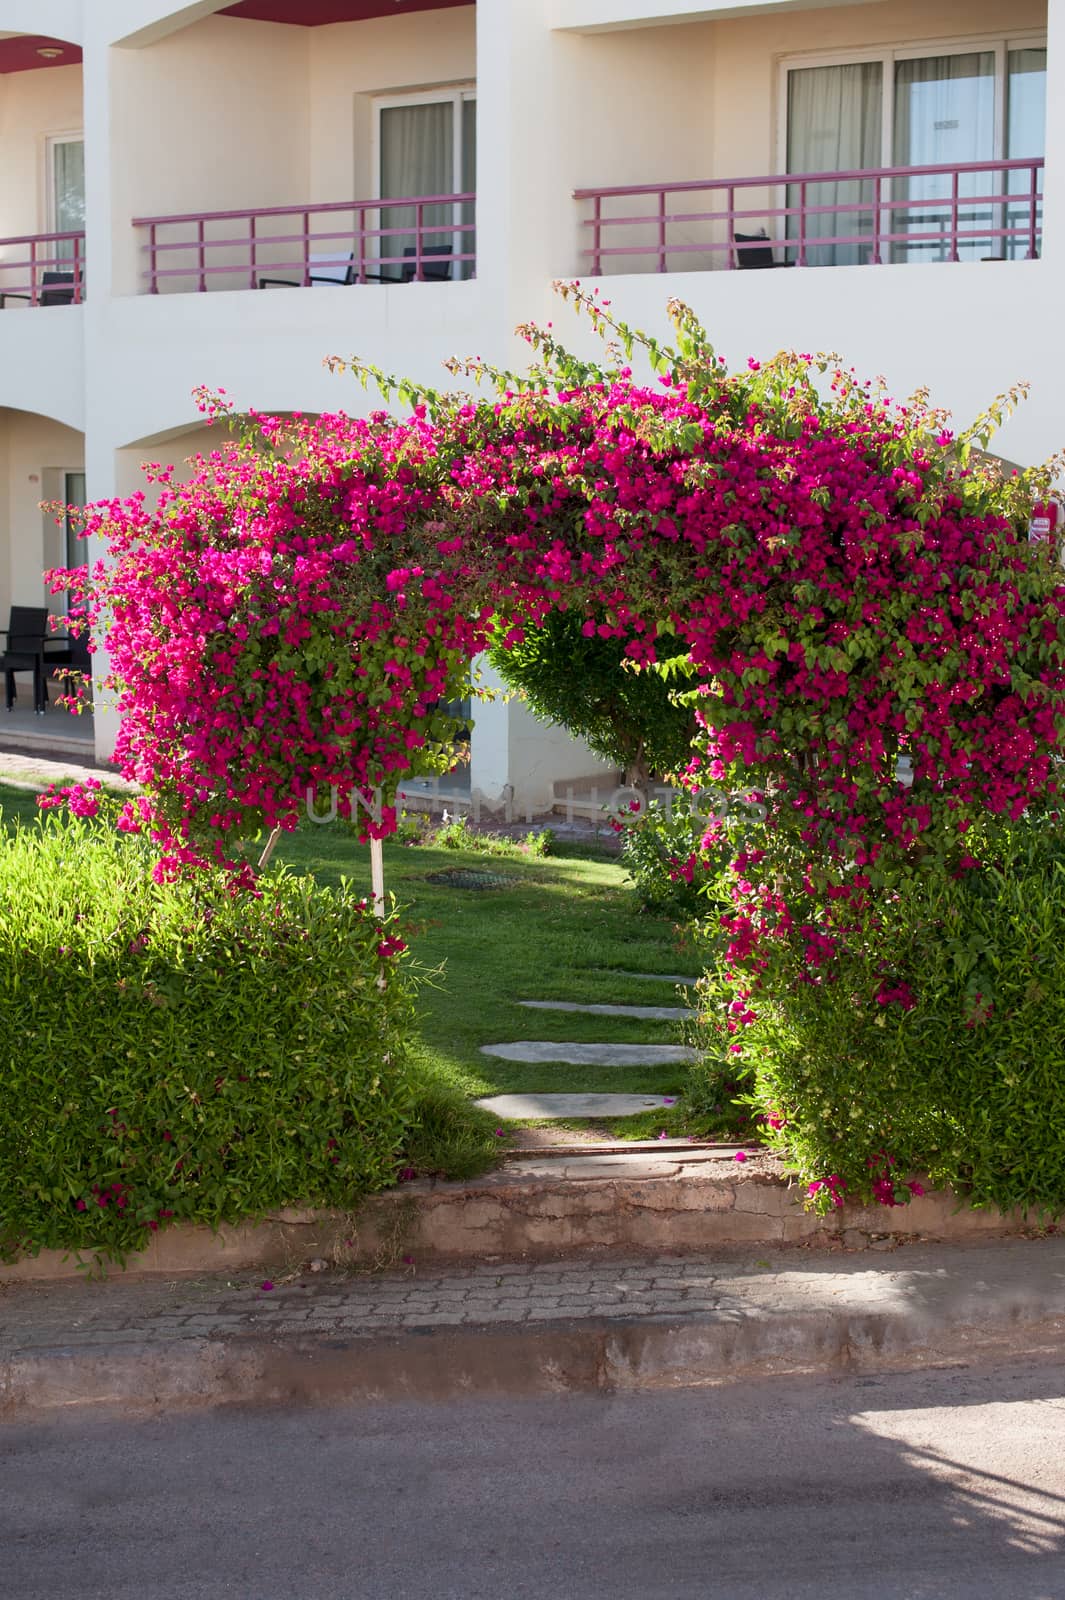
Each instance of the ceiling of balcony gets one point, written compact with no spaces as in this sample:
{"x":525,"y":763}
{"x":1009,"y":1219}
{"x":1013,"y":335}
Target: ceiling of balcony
{"x":316,"y":13}
{"x":20,"y":52}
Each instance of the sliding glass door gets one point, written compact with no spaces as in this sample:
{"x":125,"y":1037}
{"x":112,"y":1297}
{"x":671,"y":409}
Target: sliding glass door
{"x":906,"y":109}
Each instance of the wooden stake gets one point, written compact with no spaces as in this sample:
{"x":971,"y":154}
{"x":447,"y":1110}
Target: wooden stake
{"x":377,"y":876}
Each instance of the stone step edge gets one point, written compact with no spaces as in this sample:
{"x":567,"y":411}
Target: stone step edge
{"x":604,"y":1354}
{"x":510,"y":1215}
{"x":631,"y":1147}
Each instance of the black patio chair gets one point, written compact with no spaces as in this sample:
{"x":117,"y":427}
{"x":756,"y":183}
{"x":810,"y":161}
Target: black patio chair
{"x":70,"y":656}
{"x":756,"y":250}
{"x":25,"y":636}
{"x":57,"y":289}
{"x":432,"y":271}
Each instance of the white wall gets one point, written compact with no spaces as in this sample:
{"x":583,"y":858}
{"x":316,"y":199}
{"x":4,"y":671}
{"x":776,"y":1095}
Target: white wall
{"x":42,"y":361}
{"x":33,"y":105}
{"x":967,"y":329}
{"x":588,"y":16}
{"x":54,"y":19}
{"x":212,"y":118}
{"x":351,"y":62}
{"x":267,"y":349}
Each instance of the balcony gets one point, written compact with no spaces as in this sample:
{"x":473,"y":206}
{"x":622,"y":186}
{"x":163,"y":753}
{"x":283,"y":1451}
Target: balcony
{"x":47,"y":269}
{"x":989,"y":210}
{"x":419,"y":238}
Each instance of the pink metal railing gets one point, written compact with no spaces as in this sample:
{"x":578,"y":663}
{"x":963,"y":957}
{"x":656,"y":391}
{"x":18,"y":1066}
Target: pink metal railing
{"x":310,"y":249}
{"x":945,"y":220}
{"x":24,"y":278}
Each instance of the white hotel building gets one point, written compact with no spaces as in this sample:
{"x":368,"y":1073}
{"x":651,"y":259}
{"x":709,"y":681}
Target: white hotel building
{"x":182,"y":184}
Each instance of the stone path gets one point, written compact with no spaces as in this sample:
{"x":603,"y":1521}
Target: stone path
{"x":651,"y":1013}
{"x":515,"y":1107}
{"x":570,"y":1053}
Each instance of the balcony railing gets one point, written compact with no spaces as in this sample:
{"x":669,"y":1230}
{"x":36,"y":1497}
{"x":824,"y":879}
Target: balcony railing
{"x":47,"y":269}
{"x":348,"y":241}
{"x":986,"y":209}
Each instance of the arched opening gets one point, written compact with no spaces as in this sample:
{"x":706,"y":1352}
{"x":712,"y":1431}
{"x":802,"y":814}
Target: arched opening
{"x":42,"y":153}
{"x":42,"y":468}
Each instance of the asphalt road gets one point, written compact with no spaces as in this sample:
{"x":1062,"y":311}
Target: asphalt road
{"x":937,"y":1486}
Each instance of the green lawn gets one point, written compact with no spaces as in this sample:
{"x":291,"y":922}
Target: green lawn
{"x":559,"y":930}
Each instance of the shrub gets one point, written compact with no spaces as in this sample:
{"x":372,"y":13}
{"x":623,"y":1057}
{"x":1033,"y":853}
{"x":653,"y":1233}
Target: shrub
{"x":179,"y":1052}
{"x":934,"y":1041}
{"x":674,"y":856}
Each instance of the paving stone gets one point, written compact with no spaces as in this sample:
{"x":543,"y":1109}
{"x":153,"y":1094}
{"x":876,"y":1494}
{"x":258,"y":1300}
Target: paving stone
{"x":511,"y":1107}
{"x":592,"y":1055}
{"x":638,"y":1166}
{"x":647,"y":1013}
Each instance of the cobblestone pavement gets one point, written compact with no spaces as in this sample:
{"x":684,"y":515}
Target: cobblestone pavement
{"x":37,"y":1315}
{"x":1015,"y":1279}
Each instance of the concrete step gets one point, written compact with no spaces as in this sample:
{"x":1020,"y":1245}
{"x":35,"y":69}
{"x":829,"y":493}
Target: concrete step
{"x":499,"y":1326}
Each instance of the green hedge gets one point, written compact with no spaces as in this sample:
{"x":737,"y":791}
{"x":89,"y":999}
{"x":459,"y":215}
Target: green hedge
{"x":940,"y":1042}
{"x":179,"y":1053}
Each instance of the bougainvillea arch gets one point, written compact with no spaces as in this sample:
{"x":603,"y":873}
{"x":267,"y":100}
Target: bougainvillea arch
{"x":846,"y":579}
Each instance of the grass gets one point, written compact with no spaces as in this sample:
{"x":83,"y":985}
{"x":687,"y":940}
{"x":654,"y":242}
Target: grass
{"x":561,"y":927}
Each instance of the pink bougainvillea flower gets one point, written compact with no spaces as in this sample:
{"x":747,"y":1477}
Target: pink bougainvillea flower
{"x":741,"y":1155}
{"x":266,"y":1285}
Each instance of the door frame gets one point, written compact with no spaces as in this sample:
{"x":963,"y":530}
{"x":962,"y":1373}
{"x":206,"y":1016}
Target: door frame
{"x":455,"y":94}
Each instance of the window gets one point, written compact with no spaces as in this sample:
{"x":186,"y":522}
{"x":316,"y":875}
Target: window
{"x":66,"y":189}
{"x":914,"y":108}
{"x":426,"y":144}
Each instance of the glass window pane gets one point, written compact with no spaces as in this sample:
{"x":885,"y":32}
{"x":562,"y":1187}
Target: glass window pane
{"x":68,"y":192}
{"x":1026,"y":99}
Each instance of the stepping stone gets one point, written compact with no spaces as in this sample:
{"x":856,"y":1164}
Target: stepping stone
{"x":512,"y":1107}
{"x":593,"y":1055}
{"x":649,"y":1013}
{"x":651,"y":977}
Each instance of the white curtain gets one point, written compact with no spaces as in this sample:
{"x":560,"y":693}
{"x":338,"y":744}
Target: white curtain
{"x":417,"y":157}
{"x":944,"y":111}
{"x":834,"y":119}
